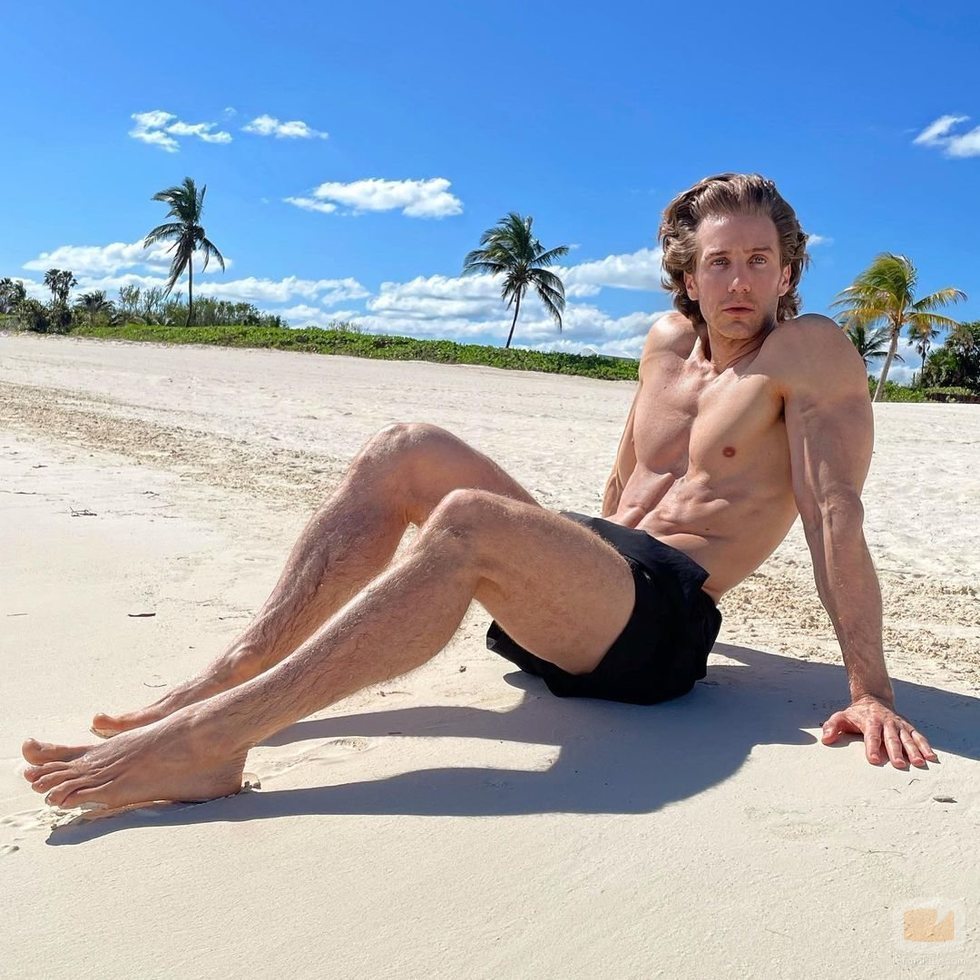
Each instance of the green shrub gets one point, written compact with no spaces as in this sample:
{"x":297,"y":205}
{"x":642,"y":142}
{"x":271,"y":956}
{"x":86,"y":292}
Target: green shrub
{"x":33,"y":315}
{"x":894,"y":392}
{"x":345,"y":338}
{"x":951,"y":394}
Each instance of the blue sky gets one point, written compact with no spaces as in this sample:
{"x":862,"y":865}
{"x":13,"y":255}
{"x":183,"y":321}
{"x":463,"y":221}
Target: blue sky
{"x":354,"y":153}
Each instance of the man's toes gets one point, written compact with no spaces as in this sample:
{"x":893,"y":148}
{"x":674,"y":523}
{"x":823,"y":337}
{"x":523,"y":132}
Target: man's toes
{"x":39,"y":753}
{"x":33,"y":773}
{"x":89,"y":795}
{"x":105,"y":726}
{"x":49,"y":780}
{"x":64,"y":791}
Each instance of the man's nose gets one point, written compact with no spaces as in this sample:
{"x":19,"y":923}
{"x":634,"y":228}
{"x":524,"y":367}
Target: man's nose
{"x":739,"y":284}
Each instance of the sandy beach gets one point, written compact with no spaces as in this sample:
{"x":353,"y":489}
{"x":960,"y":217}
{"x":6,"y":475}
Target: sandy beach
{"x":460,"y":820}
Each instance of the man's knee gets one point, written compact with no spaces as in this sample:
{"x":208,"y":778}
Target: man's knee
{"x":463,"y":520}
{"x":402,"y":442}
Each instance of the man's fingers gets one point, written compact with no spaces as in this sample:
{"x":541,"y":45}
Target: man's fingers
{"x":872,"y":743}
{"x":893,"y":743}
{"x":923,"y":746}
{"x":911,"y":749}
{"x":886,"y":734}
{"x":836,"y":725}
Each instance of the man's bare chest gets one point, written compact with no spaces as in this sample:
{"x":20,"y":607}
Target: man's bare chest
{"x":685,"y":427}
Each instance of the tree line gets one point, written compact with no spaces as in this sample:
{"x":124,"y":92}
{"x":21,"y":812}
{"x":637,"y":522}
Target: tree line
{"x":875,"y":310}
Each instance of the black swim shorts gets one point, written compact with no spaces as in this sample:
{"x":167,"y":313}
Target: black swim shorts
{"x":663,"y":649}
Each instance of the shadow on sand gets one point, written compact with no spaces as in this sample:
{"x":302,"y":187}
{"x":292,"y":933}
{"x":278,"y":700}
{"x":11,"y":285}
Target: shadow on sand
{"x":613,"y":758}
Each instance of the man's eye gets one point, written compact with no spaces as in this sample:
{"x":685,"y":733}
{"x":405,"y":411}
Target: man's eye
{"x":761,"y":258}
{"x":719,"y":261}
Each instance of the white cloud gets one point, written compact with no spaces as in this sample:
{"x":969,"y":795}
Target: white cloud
{"x":303,"y":315}
{"x":965,"y":145}
{"x":159,"y":128}
{"x":439,"y":297}
{"x":265,"y":291}
{"x":584,"y":327}
{"x":95,"y":260}
{"x":308,"y":204}
{"x":935,"y":132}
{"x":633,"y":270}
{"x":265,"y":125}
{"x":470,"y":308}
{"x":414,"y":198}
{"x":939,"y":133}
{"x":812,"y":241}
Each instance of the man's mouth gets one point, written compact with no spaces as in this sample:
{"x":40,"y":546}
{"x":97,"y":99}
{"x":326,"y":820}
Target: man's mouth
{"x":738,"y":309}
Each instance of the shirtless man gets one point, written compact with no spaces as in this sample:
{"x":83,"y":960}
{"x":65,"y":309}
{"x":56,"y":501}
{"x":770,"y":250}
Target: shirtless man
{"x":745,"y":415}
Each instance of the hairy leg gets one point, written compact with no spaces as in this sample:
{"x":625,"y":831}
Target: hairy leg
{"x":561,"y":591}
{"x":398,"y":478}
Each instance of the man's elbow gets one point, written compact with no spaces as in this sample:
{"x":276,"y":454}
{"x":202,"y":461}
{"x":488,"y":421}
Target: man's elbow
{"x":610,"y":498}
{"x":838,"y":514}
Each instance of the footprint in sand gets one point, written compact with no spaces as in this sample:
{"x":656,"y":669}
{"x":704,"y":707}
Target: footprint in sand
{"x":26,"y":821}
{"x":335,"y":750}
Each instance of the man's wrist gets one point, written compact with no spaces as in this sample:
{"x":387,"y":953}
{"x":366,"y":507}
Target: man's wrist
{"x":885,"y":697}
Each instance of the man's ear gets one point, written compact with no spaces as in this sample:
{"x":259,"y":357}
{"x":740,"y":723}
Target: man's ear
{"x":784,"y":280}
{"x":691,"y":286}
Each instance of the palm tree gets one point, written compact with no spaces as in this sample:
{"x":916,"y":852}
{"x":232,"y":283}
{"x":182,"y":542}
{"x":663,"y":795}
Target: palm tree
{"x":186,"y":205}
{"x":60,"y":282}
{"x":885,"y":291}
{"x":96,"y":305}
{"x":12,"y":294}
{"x":509,"y":248}
{"x":868,"y":343}
{"x":922,"y":335}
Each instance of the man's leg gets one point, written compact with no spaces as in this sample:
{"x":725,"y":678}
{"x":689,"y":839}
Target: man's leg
{"x":557,"y":588}
{"x":397,"y":479}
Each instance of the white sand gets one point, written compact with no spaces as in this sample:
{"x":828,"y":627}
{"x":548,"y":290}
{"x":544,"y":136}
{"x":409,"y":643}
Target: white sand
{"x":458,"y":822}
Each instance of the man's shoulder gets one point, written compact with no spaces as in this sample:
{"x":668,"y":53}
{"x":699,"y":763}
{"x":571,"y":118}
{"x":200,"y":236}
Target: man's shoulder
{"x":812,"y":350}
{"x":670,"y":333}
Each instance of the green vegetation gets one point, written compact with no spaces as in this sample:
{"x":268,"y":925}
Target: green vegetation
{"x":187,"y":206}
{"x":893,"y":392}
{"x":346,"y":339}
{"x":951,"y":395}
{"x":511,"y":250}
{"x":957,"y":363}
{"x":885,"y":292}
{"x":869,"y":343}
{"x":877,"y":307}
{"x":951,"y":374}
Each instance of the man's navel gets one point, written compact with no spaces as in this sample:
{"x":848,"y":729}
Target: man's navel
{"x":728,"y":451}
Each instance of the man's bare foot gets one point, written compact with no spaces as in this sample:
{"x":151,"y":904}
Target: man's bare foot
{"x":170,"y":760}
{"x":230,"y":671}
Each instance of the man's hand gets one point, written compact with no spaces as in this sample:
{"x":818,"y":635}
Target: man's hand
{"x":882,"y":729}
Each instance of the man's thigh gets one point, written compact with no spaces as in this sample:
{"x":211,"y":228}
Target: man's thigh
{"x":555,"y":587}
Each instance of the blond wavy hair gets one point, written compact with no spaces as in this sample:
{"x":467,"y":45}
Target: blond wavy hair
{"x":726,"y":194}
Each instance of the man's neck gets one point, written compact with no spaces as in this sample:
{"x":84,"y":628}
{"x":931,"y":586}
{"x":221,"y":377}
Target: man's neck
{"x":723,"y":352}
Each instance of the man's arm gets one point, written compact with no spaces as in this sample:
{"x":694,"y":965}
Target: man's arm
{"x":624,"y":464}
{"x":666,"y":333}
{"x":830,"y":426}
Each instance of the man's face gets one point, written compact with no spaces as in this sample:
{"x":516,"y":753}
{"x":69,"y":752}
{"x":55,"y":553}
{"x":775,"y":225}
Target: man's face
{"x":737,"y":278}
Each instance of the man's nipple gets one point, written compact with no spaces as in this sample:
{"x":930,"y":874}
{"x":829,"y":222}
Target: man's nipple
{"x":728,"y":451}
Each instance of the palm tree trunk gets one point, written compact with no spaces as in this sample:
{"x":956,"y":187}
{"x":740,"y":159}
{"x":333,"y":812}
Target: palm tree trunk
{"x":892,"y":347}
{"x":517,"y":309}
{"x":190,"y":290}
